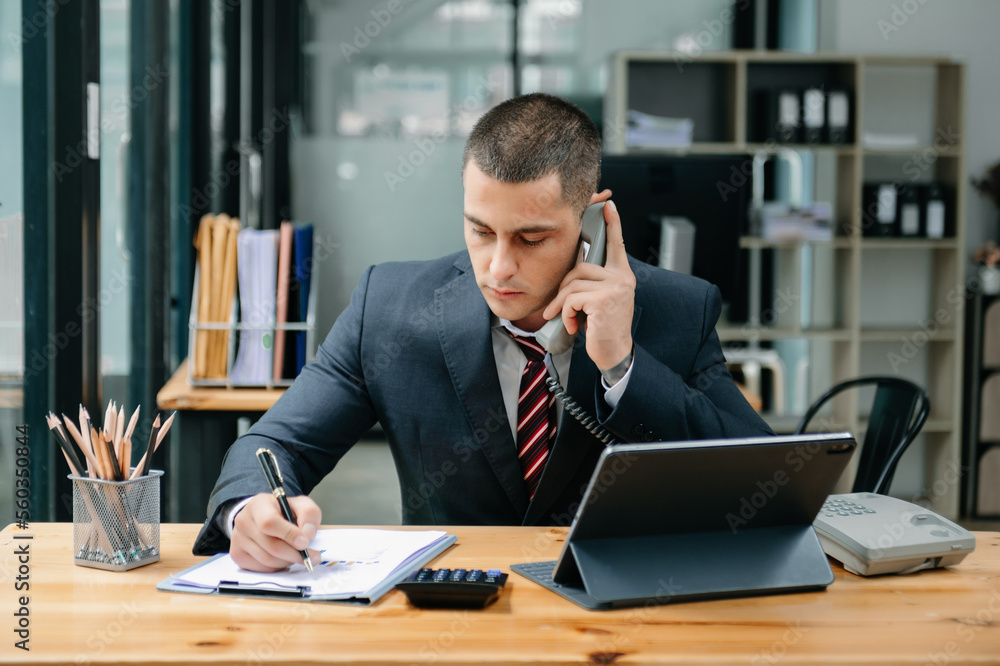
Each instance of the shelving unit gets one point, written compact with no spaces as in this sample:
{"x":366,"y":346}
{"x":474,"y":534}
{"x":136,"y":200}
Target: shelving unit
{"x":860,"y":321}
{"x":981,"y":457}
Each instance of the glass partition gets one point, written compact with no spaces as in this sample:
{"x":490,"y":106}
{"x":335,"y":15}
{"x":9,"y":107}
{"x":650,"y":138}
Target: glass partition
{"x":11,"y":253}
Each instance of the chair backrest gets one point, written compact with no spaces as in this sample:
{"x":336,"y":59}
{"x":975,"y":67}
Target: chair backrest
{"x":899,"y":411}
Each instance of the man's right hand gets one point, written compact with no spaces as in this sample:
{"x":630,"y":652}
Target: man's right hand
{"x":262,"y":540}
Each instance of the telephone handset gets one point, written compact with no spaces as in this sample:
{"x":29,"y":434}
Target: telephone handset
{"x":553,"y":336}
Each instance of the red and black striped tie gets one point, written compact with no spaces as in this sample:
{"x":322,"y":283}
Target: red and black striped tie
{"x":536,"y":415}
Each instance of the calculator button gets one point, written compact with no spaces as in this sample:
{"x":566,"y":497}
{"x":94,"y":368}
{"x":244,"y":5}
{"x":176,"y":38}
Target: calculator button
{"x":457,"y":575}
{"x":474,"y":575}
{"x":441,"y":574}
{"x":843,"y":513}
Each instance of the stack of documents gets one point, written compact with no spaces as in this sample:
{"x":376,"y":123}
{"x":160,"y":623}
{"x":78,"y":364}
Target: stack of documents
{"x":216,"y":245}
{"x":273,"y":270}
{"x":781,"y":222}
{"x":649,"y":131}
{"x":358,"y":565}
{"x":258,"y":272}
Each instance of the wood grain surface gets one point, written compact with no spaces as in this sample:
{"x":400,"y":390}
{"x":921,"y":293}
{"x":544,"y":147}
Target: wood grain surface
{"x":80,"y":615}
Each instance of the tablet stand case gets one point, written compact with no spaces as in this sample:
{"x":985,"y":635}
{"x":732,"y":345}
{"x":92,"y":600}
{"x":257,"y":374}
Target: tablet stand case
{"x":684,"y":522}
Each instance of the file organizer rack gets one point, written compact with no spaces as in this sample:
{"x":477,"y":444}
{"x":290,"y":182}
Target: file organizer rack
{"x":233,"y":326}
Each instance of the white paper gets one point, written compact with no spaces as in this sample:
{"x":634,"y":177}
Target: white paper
{"x":649,"y":131}
{"x":889,"y":140}
{"x":353,"y":562}
{"x":257,"y":268}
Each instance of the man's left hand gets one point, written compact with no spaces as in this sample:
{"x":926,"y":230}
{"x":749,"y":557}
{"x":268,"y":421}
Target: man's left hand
{"x":605,"y":293}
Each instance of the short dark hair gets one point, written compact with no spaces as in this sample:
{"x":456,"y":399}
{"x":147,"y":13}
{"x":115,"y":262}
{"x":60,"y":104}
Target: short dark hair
{"x":528,"y":137}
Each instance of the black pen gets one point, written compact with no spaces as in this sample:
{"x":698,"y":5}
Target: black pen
{"x":273,"y":474}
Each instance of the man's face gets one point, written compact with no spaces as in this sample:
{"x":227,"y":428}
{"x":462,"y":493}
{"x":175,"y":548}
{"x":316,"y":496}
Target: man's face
{"x":522,"y":239}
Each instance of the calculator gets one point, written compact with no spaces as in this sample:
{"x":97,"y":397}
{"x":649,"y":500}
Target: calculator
{"x":453,"y":588}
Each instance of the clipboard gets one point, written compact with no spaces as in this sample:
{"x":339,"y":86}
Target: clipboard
{"x":303,"y":593}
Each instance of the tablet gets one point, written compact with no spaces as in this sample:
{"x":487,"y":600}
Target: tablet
{"x":676,"y":521}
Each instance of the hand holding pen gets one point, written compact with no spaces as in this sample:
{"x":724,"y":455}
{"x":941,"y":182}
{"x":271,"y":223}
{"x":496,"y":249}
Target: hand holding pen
{"x":270,"y":465}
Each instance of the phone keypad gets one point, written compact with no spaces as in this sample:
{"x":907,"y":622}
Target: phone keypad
{"x":843,"y":507}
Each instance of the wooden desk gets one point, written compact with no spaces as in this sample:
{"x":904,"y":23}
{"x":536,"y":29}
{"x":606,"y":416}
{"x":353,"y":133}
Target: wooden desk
{"x":205,"y":428}
{"x":178,"y":394}
{"x":88,"y":616}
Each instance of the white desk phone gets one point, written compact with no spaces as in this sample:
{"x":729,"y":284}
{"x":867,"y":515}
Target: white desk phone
{"x":875,"y":534}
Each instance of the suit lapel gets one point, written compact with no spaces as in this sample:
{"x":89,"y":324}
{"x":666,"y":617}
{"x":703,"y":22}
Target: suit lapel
{"x":467,"y":344}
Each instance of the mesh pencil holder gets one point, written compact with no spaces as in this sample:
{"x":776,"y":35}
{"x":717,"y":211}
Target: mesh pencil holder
{"x":116,"y":524}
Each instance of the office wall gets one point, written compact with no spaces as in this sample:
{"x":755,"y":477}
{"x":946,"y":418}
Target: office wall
{"x":339,"y":182}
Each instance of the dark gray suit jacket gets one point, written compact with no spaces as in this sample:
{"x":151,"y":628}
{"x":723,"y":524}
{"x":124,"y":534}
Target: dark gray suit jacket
{"x":413,"y":351}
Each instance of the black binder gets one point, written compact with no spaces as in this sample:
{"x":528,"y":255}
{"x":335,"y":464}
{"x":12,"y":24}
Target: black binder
{"x":779,"y":116}
{"x":813,"y":115}
{"x":910,"y":211}
{"x":667,"y":522}
{"x":838,"y":117}
{"x":880,"y":206}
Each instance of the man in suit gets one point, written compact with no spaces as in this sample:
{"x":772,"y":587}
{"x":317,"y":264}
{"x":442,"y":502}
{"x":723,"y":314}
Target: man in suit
{"x":428,"y":350}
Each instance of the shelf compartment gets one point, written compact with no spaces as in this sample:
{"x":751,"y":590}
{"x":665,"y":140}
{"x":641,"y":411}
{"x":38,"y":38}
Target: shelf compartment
{"x":953,"y":151}
{"x":696,"y":148}
{"x":764,"y":79}
{"x":749,"y":332}
{"x":838,"y":148}
{"x":708,"y":94}
{"x":753,"y":242}
{"x":895,"y":334}
{"x":894,"y":100}
{"x":909,"y":244}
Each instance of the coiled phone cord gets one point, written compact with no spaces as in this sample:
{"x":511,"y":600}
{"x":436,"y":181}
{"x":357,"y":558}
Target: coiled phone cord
{"x":579,"y":413}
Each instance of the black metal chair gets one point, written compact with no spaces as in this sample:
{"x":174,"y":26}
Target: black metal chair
{"x":899,"y":411}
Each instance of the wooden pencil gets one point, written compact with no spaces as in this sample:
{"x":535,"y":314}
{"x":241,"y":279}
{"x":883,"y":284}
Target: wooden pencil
{"x":87,"y":453}
{"x":74,"y":461}
{"x":119,"y":440}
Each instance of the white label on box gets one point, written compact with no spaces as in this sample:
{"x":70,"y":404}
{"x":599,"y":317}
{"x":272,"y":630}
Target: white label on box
{"x":813,"y":112}
{"x":837,"y":109}
{"x":909,"y":220}
{"x":886,"y":203}
{"x":935,"y":219}
{"x":788,"y":110}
